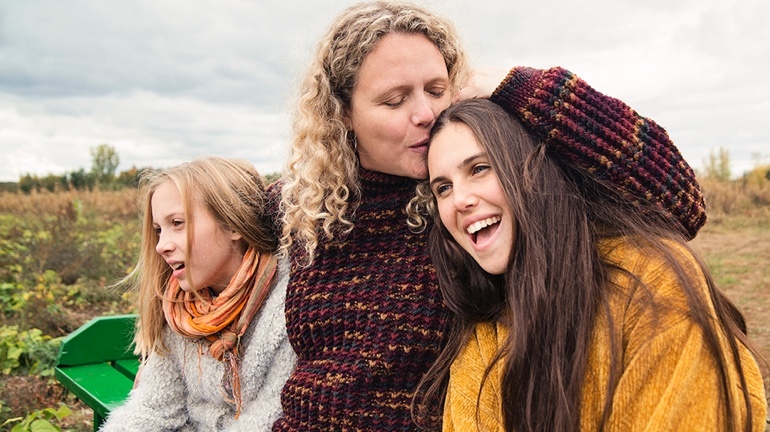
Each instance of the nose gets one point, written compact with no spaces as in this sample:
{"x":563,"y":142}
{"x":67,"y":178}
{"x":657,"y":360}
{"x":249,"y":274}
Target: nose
{"x":463,"y":198}
{"x":424,"y":111}
{"x":164,"y":244}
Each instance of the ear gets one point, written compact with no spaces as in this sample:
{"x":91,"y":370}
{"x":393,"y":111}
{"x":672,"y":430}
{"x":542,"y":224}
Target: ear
{"x":346,"y":119}
{"x":235,"y":236}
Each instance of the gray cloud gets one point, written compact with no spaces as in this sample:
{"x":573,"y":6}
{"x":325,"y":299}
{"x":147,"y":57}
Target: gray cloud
{"x":165,"y":81}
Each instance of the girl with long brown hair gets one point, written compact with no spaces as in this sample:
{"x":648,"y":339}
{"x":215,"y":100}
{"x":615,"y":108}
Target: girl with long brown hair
{"x":577,"y":302}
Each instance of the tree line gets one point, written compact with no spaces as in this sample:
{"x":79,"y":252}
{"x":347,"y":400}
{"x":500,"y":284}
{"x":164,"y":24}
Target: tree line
{"x":102,"y":175}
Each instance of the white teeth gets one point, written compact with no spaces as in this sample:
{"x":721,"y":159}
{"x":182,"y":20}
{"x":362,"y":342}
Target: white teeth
{"x":176,"y":266}
{"x":475,"y":227}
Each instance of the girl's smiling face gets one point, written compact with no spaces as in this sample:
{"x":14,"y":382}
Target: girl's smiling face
{"x":216,"y":254}
{"x":471,"y":202}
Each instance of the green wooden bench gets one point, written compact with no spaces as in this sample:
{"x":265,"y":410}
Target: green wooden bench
{"x":97,"y":364}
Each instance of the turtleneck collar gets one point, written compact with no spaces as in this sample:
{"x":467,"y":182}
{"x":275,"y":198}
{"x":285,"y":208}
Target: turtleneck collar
{"x":375,"y":182}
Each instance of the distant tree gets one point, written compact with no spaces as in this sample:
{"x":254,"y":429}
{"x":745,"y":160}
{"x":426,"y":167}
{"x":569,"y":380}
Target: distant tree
{"x":271,"y":177}
{"x":64,"y":182}
{"x":82,"y":180}
{"x":104,"y":163}
{"x":28,"y":183}
{"x":51,"y":182}
{"x":718,"y":166}
{"x":758,"y":175}
{"x":130,"y":177}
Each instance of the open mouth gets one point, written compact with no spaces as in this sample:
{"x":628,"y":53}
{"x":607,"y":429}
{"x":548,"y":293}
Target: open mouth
{"x":177,"y":266}
{"x":483,"y":229}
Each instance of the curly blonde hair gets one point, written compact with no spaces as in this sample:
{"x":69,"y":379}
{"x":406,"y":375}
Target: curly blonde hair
{"x":321,"y":181}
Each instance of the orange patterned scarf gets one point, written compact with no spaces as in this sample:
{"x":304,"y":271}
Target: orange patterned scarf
{"x":221,"y":320}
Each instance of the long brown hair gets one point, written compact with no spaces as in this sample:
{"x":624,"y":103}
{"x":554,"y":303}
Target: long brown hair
{"x":556,"y":281}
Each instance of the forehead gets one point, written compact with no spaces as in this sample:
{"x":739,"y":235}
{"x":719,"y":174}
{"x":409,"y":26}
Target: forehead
{"x":402,"y":56}
{"x":166,"y":192}
{"x":167,"y":199}
{"x":450,"y":146}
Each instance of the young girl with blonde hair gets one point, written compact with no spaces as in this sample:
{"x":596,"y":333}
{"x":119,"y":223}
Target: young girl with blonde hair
{"x":211,"y":329}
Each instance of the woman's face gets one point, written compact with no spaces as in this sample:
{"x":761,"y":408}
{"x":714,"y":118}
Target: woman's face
{"x":402,"y":86}
{"x":471,"y":201}
{"x":216,"y":255}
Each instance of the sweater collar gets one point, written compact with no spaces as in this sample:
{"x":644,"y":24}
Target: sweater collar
{"x":375,"y":182}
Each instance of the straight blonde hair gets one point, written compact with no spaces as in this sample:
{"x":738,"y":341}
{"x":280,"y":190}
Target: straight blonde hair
{"x":232,"y":192}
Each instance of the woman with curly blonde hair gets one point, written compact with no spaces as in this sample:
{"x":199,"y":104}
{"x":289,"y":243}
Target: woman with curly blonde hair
{"x":363,"y":309}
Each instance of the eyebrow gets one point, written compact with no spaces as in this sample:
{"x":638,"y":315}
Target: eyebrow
{"x":467,"y":161}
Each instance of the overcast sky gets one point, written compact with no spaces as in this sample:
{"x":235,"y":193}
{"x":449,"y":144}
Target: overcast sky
{"x":165,"y":81}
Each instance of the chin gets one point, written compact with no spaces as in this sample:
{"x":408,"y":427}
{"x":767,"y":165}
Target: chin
{"x":494,"y":268}
{"x":419,"y":173}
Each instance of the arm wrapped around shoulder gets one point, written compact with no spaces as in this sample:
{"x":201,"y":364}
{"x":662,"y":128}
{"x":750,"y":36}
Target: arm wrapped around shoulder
{"x":607,"y":137}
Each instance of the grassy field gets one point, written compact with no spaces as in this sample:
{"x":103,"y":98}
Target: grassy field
{"x":738,"y":251}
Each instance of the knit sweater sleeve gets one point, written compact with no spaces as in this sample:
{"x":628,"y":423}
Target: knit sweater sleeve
{"x":605,"y":136}
{"x":157,"y":402}
{"x":669,"y":379}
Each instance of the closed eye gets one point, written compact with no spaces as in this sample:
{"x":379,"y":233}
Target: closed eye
{"x":437,"y":93}
{"x":395,"y":103}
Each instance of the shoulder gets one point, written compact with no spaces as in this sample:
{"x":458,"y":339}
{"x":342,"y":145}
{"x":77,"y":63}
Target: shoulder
{"x":654,"y":285}
{"x":647,"y":275}
{"x":651,"y":261}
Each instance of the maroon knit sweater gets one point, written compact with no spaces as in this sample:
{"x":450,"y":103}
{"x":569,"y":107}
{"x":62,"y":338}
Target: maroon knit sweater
{"x":365,"y":319}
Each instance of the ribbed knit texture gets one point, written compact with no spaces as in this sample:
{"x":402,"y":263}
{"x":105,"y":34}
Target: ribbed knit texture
{"x":606,"y":137}
{"x":365,"y":319}
{"x":668,"y":382}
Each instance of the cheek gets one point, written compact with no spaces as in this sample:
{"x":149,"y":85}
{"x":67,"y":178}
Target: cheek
{"x":389,"y":126}
{"x":442,"y":104}
{"x":447,"y":216}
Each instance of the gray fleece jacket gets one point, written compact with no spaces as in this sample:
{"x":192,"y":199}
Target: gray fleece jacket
{"x":182,"y":390}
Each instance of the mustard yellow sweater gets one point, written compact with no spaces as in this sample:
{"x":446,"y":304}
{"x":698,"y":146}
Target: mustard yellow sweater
{"x":668,"y":381}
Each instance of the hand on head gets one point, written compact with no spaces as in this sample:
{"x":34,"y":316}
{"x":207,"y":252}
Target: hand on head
{"x":481,"y":82}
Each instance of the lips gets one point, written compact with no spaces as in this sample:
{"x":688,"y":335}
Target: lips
{"x":478,"y":231}
{"x":421,"y":144}
{"x":178,"y":268}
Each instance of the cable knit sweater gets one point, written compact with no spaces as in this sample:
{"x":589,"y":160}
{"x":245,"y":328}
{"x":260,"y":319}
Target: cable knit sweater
{"x":668,"y":381}
{"x":365,"y":319}
{"x":181,"y":391}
